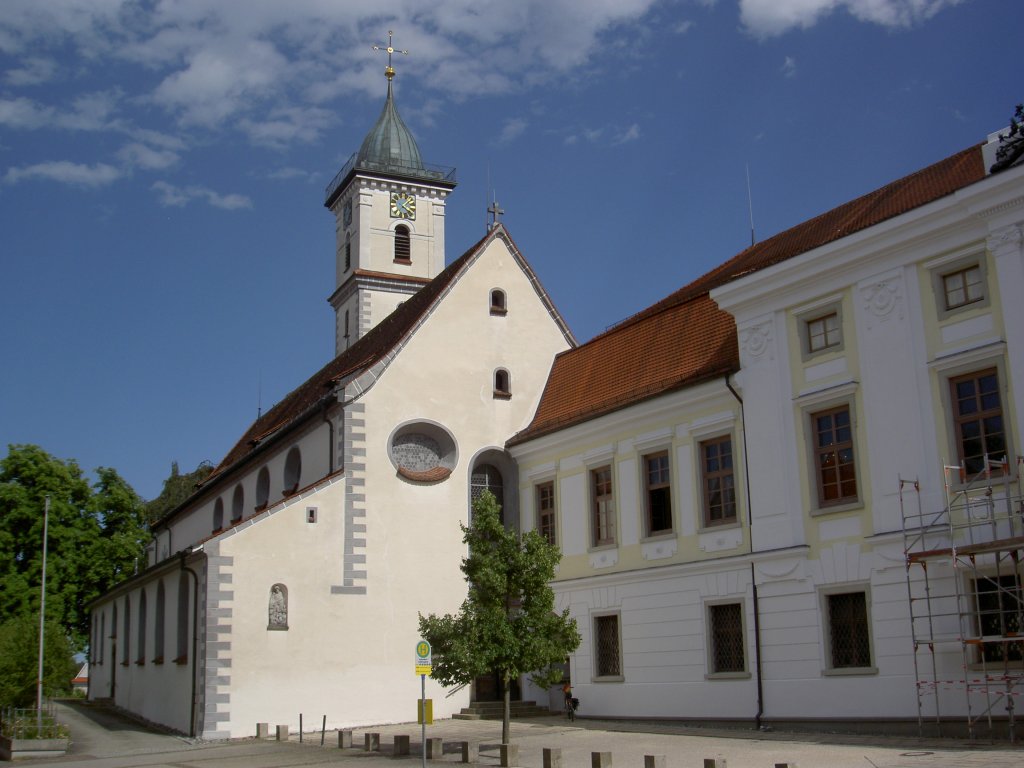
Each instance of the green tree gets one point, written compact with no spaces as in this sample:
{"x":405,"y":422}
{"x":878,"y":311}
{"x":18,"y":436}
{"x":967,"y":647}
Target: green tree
{"x":96,"y":537}
{"x":507,"y":623}
{"x":177,"y":488}
{"x":19,"y":661}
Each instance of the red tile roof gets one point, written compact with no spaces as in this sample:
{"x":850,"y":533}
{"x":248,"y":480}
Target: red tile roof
{"x":685,"y":339}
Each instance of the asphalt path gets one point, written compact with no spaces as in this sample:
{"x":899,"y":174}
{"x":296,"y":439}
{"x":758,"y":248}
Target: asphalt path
{"x":102,"y":738}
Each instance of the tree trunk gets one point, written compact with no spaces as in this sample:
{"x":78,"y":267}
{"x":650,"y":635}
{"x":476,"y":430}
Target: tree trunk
{"x":506,"y":715}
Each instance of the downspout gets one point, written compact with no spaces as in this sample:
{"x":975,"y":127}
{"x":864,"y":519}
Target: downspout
{"x":195,"y":642}
{"x":753,"y":579}
{"x":330,"y":436}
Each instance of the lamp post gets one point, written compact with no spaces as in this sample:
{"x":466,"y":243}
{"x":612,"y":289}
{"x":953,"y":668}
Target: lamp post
{"x":42,"y":618}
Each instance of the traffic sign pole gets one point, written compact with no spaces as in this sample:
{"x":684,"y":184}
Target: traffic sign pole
{"x":423,"y":718}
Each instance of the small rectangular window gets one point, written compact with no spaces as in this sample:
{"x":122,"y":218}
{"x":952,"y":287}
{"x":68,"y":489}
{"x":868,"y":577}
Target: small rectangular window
{"x":310,"y":514}
{"x":964,"y":286}
{"x":603,"y":502}
{"x":658,"y":486}
{"x":834,"y":462}
{"x":607,"y":654}
{"x":718,"y":480}
{"x":726,"y":638}
{"x":848,"y":630}
{"x":978,"y":419}
{"x":823,"y":332}
{"x":546,"y":511}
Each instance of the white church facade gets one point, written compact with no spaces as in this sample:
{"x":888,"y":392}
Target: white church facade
{"x":749,"y":480}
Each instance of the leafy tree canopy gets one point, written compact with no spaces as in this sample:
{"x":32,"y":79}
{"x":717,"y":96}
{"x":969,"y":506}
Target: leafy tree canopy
{"x":97,"y":536}
{"x":19,"y":661}
{"x":1011,"y":143}
{"x":508,"y":623}
{"x":177,"y":488}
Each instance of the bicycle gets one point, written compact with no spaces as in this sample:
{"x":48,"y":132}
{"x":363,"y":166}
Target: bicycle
{"x":571,"y":705}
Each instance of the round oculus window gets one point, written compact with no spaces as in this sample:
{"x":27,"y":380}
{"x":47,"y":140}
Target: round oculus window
{"x":423,"y":452}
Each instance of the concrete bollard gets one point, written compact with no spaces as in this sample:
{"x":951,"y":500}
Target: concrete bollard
{"x":552,"y":758}
{"x":262,"y":730}
{"x":344,"y":739}
{"x":282,"y":733}
{"x":509,"y":755}
{"x":371,"y":742}
{"x":401,"y":746}
{"x":435,"y":749}
{"x":600,"y":760}
{"x":464,"y":750}
{"x":655,"y":761}
{"x":710,"y":762}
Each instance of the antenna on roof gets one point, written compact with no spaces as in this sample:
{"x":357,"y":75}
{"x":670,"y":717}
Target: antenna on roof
{"x":750,"y":205}
{"x":259,"y":394}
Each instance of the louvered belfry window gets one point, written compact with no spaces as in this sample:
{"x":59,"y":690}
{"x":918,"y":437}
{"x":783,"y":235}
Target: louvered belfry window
{"x":848,"y":629}
{"x":403,"y":245}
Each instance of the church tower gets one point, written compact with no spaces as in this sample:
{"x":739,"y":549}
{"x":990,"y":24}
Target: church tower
{"x":389,"y":212}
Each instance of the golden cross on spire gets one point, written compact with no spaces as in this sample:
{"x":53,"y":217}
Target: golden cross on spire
{"x":389,"y":71}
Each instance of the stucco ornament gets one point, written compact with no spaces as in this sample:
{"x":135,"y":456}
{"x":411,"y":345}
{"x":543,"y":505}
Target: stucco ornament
{"x":278,"y":611}
{"x":758,"y":340}
{"x":1006,"y":240}
{"x":883,"y":299}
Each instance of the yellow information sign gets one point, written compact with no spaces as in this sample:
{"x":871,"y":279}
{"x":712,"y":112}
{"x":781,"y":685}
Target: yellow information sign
{"x":423,"y":658}
{"x":425,"y":711}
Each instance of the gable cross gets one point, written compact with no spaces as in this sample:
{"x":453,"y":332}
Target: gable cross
{"x":495,"y":212}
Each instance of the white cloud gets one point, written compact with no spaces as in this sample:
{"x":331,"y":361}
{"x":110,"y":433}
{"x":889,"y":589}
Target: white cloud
{"x":33,"y":71}
{"x":75,"y":174}
{"x":765,"y":18}
{"x":283,"y":174}
{"x":789,"y":67}
{"x":632,"y":133}
{"x":683,"y":27}
{"x":511,"y":130}
{"x":140,"y":156}
{"x":287,"y":125}
{"x":177,"y":197}
{"x":90,"y":112}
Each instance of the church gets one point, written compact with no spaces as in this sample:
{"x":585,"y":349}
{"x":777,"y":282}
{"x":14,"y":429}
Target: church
{"x":788,"y":492}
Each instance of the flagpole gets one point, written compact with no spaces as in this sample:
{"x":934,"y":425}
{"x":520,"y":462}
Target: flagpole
{"x":42,"y":617}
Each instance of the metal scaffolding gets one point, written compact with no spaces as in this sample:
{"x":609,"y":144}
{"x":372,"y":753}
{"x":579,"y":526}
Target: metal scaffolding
{"x":964,"y":584}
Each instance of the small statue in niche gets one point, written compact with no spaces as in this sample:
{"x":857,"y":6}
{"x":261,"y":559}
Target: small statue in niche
{"x":278,"y":612}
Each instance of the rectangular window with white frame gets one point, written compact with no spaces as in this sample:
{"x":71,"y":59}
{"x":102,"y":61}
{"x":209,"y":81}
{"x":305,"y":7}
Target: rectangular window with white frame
{"x":602,"y":507}
{"x":546,"y":511}
{"x":823,"y":332}
{"x":959,"y":284}
{"x":657,"y":493}
{"x":820,"y":328}
{"x":718,"y":481}
{"x":847,"y":632}
{"x":834,"y":461}
{"x":726,"y":640}
{"x":607,"y":648}
{"x":978,"y":424}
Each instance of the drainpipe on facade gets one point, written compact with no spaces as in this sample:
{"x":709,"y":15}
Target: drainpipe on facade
{"x":753,"y":576}
{"x":330,"y":436}
{"x":195,"y":640}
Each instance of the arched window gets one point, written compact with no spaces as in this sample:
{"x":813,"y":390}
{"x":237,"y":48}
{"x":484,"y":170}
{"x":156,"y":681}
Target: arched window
{"x":218,"y":515}
{"x":237,"y":503}
{"x":181,"y":650}
{"x":140,"y":641}
{"x":158,"y":624}
{"x":348,"y":252}
{"x":502,"y":384}
{"x":498,"y":305}
{"x":277,"y":609}
{"x":486,"y":477}
{"x":262,"y":488}
{"x":403,"y":244}
{"x":292,"y":471}
{"x":127,"y":627}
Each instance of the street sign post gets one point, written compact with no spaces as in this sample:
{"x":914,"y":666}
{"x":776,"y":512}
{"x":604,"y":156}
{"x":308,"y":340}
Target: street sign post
{"x":423,"y":667}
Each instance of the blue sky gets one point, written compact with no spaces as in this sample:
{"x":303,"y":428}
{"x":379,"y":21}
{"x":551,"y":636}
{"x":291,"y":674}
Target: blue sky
{"x":165,"y":253}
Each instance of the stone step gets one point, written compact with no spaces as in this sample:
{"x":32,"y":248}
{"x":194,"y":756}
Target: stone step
{"x":493,"y":710}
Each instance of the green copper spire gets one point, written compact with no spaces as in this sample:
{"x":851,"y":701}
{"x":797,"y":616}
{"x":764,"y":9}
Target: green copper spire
{"x":390,"y":146}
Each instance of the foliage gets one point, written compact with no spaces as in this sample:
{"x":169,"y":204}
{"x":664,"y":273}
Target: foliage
{"x":507,"y":623}
{"x":19,"y":661}
{"x":1011,"y":143}
{"x":177,"y":488}
{"x":96,"y":537}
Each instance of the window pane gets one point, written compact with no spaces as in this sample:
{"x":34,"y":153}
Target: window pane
{"x":848,"y":629}
{"x":727,"y":638}
{"x":607,"y":642}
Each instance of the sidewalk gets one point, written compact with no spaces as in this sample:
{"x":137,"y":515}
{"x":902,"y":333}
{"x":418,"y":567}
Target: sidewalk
{"x":102,"y":739}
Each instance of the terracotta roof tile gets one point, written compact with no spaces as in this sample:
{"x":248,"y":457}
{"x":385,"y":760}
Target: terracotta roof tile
{"x":684,"y":338}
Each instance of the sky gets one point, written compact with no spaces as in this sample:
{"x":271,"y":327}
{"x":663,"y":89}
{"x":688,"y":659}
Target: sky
{"x":165,"y":256}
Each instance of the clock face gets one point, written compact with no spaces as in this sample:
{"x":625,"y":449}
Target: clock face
{"x":347,"y":213}
{"x":403,"y":205}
